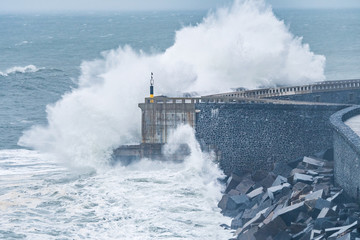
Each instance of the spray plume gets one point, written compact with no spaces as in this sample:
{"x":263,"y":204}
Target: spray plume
{"x":244,"y":45}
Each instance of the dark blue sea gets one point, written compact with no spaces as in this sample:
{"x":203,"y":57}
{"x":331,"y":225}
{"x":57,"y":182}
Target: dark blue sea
{"x":69,"y":89}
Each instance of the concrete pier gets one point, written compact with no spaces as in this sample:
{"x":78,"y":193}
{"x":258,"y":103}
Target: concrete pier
{"x":161,"y":115}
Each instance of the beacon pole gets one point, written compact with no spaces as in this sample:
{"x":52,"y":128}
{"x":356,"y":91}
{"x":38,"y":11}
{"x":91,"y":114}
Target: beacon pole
{"x":152,"y":88}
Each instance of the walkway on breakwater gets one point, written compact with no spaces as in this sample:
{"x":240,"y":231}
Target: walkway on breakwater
{"x":354,"y":124}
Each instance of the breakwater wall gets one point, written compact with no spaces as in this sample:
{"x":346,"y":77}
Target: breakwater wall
{"x":350,"y":96}
{"x":256,"y":135}
{"x":346,"y":152}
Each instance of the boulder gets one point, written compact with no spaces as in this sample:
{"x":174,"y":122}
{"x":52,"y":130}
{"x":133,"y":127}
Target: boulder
{"x":255,"y":192}
{"x":245,"y":185}
{"x":314,"y":162}
{"x":232,"y":182}
{"x":279,"y":181}
{"x":299,"y":177}
{"x":268,"y":180}
{"x":290,"y":213}
{"x":272,"y":191}
{"x":275,"y":226}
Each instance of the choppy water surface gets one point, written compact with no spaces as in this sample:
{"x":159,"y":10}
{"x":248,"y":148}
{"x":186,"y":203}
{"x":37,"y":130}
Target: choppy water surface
{"x":39,"y":199}
{"x":79,"y":111}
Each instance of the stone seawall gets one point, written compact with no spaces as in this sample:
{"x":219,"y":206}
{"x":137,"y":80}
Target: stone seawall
{"x":340,"y":96}
{"x":346,"y":152}
{"x":255,"y":136}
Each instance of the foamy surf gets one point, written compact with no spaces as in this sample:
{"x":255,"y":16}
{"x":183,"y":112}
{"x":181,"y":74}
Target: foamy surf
{"x":18,"y":69}
{"x":146,"y":200}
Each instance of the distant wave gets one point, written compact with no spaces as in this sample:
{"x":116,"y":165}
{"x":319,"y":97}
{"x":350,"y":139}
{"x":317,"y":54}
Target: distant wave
{"x":16,"y":69}
{"x":107,"y":35}
{"x":22,"y":43}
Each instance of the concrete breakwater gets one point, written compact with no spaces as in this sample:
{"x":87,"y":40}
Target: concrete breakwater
{"x":346,"y":152}
{"x":258,"y":129}
{"x":253,"y":136}
{"x":298,"y":200}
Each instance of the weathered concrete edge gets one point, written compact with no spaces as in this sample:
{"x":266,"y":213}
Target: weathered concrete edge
{"x":346,"y":145}
{"x":337,"y":122}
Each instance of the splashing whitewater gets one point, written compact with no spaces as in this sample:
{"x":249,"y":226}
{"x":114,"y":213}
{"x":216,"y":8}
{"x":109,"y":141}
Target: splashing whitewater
{"x":244,"y":45}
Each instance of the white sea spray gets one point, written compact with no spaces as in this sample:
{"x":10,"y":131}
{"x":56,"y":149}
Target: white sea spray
{"x":244,"y":45}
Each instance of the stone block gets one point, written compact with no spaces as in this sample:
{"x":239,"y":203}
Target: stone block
{"x":245,"y":185}
{"x":314,"y":162}
{"x":290,"y":213}
{"x":283,"y":197}
{"x":271,"y":229}
{"x":248,"y":234}
{"x":294,"y":163}
{"x":312,"y":173}
{"x":237,"y":201}
{"x":340,"y":231}
{"x":297,"y":227}
{"x":223,"y":202}
{"x":304,"y":234}
{"x":259,"y":217}
{"x":336,"y":197}
{"x":268,"y":180}
{"x":232,"y":182}
{"x":315,"y":233}
{"x":236,"y":223}
{"x":302,"y":217}
{"x":299,"y":177}
{"x":279,"y":181}
{"x":282,"y":236}
{"x":272,"y":191}
{"x":325,"y":170}
{"x":249,"y":214}
{"x":324,"y":223}
{"x":300,"y":186}
{"x":264,"y":204}
{"x":233,"y":192}
{"x":325,"y":187}
{"x":322,"y":203}
{"x":255,"y":192}
{"x":315,"y":195}
{"x":347,"y":236}
{"x":269,"y":210}
{"x":327,"y":212}
{"x":297,"y":170}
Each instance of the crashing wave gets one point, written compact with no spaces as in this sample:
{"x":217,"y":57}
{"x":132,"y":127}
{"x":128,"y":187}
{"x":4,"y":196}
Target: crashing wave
{"x":241,"y":45}
{"x":26,"y":69}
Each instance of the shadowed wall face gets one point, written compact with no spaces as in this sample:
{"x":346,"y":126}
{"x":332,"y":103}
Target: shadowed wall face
{"x":255,"y":136}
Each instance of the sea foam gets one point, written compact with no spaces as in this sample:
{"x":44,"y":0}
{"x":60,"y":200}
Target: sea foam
{"x":17,"y":69}
{"x":243,"y":45}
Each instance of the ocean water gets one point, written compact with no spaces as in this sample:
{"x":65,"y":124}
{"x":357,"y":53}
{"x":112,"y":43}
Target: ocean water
{"x":69,"y":89}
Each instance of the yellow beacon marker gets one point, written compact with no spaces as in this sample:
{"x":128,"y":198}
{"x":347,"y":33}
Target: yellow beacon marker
{"x":151,"y":88}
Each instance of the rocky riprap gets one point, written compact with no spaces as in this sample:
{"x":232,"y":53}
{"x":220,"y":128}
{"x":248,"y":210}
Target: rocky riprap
{"x":297,"y":200}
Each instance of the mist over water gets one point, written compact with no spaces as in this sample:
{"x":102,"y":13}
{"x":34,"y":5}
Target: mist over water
{"x":145,"y":200}
{"x":244,"y":45}
{"x":66,"y":189}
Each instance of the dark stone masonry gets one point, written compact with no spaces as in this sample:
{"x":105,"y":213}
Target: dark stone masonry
{"x":254,"y":136}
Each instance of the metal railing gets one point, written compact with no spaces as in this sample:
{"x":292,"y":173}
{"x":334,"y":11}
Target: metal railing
{"x":283,"y":91}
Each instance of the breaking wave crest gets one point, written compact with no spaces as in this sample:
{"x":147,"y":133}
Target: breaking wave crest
{"x":243,"y":45}
{"x":26,"y":69}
